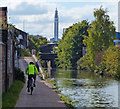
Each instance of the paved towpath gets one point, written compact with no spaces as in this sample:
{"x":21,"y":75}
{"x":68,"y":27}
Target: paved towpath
{"x":43,"y":96}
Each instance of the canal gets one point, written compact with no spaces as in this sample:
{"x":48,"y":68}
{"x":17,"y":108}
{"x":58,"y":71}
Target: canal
{"x":87,"y":89}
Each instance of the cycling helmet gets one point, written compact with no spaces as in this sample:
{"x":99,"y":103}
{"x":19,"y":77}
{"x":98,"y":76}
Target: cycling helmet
{"x":31,"y":63}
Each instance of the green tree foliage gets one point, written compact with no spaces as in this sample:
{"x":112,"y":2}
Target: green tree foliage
{"x":82,"y":63}
{"x":25,"y":53}
{"x":14,"y":29}
{"x":101,"y":35}
{"x":3,"y":23}
{"x":70,"y":46}
{"x":36,"y":41}
{"x":111,"y":59}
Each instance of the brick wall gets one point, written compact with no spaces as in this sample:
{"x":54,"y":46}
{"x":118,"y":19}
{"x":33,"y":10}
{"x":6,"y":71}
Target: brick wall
{"x":2,"y":65}
{"x":7,"y":60}
{"x":6,"y":53}
{"x":3,"y":60}
{"x":0,"y":74}
{"x":10,"y":59}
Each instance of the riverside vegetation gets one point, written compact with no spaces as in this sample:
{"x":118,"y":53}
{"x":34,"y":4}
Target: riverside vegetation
{"x":102,"y":56}
{"x":68,"y":102}
{"x":14,"y":90}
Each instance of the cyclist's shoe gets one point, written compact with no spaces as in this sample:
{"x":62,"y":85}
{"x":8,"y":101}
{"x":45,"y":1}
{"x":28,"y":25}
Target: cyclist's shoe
{"x":34,"y":85}
{"x":28,"y":90}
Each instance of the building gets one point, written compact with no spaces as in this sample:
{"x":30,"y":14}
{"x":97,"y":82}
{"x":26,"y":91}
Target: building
{"x":8,"y":50}
{"x":48,"y":48}
{"x":56,"y":28}
{"x":22,"y":38}
{"x":117,"y":40}
{"x":56,"y":23}
{"x":3,"y":49}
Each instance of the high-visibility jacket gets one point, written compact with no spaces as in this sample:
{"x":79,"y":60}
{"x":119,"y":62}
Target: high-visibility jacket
{"x":31,"y":69}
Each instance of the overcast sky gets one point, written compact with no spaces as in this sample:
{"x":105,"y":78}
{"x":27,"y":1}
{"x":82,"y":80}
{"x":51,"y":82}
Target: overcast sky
{"x":37,"y":16}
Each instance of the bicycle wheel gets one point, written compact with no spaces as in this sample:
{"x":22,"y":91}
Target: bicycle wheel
{"x":31,"y":86}
{"x":31,"y":90}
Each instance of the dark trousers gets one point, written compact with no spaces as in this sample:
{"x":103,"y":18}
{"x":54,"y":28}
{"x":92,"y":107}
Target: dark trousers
{"x":29,"y":78}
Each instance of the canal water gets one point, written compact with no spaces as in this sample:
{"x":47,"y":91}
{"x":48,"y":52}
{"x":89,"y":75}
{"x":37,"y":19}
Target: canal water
{"x":86,"y":89}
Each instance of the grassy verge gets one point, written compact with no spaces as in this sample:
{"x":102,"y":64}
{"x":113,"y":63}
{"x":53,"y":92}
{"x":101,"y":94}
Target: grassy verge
{"x":10,"y":97}
{"x":66,"y":99}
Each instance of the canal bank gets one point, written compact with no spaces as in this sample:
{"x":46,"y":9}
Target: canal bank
{"x":86,"y":89}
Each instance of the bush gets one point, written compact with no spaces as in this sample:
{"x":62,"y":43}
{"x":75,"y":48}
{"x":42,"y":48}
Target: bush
{"x":25,"y":52}
{"x":109,"y":62}
{"x":19,"y":75}
{"x":40,"y":60}
{"x":84,"y":64}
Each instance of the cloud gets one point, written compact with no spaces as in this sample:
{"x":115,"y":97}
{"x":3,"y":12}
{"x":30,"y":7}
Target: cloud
{"x":38,"y":15}
{"x":45,"y":18}
{"x":83,"y":0}
{"x":78,"y":13}
{"x":13,"y":4}
{"x":28,"y":9}
{"x":36,"y":4}
{"x":45,"y":30}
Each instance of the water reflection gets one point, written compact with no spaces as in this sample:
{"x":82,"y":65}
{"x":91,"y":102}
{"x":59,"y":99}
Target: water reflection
{"x":87,"y":89}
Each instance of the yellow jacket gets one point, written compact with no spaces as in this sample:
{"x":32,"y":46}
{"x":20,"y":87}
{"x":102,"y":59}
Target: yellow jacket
{"x":31,"y":69}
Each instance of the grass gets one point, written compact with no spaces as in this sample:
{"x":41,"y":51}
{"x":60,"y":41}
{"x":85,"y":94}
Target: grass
{"x":66,"y":99}
{"x":10,"y":97}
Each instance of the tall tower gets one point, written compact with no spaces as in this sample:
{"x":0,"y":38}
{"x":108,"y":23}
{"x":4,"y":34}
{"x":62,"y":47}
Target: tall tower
{"x":56,"y":23}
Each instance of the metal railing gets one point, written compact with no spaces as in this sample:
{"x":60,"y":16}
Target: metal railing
{"x":40,"y":67}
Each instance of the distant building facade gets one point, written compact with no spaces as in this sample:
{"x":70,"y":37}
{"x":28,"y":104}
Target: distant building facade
{"x":56,"y":28}
{"x":117,"y":40}
{"x":22,"y":38}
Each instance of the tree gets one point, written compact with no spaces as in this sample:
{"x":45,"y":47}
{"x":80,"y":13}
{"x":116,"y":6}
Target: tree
{"x":70,"y":46}
{"x":3,"y":23}
{"x":36,"y":41}
{"x":101,"y":35}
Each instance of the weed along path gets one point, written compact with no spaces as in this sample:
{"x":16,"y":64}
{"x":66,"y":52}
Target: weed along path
{"x":43,"y":96}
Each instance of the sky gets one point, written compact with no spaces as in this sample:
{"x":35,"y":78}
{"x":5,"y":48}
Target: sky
{"x":36,"y":17}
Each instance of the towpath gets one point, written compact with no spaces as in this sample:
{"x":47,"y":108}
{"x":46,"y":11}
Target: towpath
{"x":43,"y":96}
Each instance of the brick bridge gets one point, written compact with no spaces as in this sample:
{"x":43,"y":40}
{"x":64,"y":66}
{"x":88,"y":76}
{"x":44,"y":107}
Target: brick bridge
{"x":48,"y":59}
{"x":48,"y":56}
{"x":47,"y":48}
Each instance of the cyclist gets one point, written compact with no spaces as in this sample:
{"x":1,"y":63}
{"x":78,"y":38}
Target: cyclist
{"x":31,"y":71}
